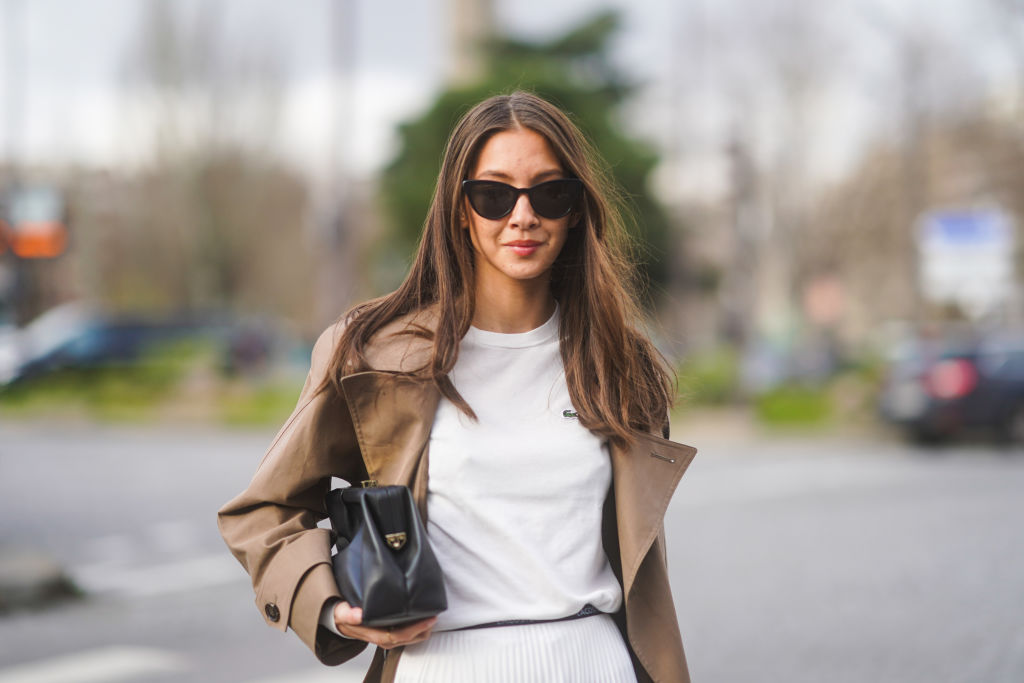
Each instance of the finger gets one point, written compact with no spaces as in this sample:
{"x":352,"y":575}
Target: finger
{"x":417,"y":638}
{"x":411,"y":641}
{"x":351,"y":631}
{"x":404,"y":636}
{"x":412,"y":630}
{"x":420,"y":638}
{"x":417,"y":641}
{"x":345,"y":613}
{"x":415,"y":632}
{"x":369,"y":635}
{"x":424,"y":633}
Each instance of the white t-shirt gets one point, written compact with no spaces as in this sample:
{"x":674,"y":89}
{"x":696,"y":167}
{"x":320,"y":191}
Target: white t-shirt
{"x":515,"y":499}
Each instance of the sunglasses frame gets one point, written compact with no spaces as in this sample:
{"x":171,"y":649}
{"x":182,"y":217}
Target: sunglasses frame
{"x":467,"y":185}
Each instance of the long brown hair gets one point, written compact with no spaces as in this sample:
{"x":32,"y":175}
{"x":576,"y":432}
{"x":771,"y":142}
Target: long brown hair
{"x":617,"y":379}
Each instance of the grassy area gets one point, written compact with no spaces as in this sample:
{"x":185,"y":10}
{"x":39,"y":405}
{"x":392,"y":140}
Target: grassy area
{"x":794,"y":405}
{"x":260,"y":405}
{"x":709,"y":377}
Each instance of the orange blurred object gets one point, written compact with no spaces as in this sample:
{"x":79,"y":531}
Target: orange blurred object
{"x":34,"y":224}
{"x":39,"y":239}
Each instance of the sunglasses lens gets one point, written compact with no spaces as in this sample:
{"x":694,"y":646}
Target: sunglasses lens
{"x":556,"y":198}
{"x":491,"y":200}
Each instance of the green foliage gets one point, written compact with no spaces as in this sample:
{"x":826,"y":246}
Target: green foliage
{"x":574,"y":72}
{"x":795,"y":406}
{"x":270,"y":404}
{"x":709,"y":377}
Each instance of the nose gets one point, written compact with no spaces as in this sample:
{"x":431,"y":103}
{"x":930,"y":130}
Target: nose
{"x":522,"y":215}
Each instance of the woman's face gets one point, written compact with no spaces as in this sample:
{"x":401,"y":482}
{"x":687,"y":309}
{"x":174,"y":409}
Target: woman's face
{"x":521,"y":246}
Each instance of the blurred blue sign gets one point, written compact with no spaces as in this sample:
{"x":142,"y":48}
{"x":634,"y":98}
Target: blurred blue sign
{"x":966,"y":257}
{"x":966,"y":228}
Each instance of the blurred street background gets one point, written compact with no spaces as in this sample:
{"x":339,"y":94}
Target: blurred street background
{"x":828,"y":201}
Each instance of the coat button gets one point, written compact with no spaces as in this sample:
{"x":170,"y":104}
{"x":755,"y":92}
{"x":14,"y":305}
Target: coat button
{"x":272,"y":612}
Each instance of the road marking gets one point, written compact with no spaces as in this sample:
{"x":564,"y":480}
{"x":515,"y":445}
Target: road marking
{"x":96,"y":666}
{"x":161,"y":579}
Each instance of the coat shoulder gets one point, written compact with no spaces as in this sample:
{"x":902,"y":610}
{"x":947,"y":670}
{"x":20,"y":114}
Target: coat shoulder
{"x":324,"y":348}
{"x":404,"y":344}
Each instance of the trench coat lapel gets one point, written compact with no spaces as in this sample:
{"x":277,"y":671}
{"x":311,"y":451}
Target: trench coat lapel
{"x":645,"y":476}
{"x":392,"y":414}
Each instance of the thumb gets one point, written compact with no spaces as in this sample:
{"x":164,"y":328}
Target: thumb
{"x":345,"y":613}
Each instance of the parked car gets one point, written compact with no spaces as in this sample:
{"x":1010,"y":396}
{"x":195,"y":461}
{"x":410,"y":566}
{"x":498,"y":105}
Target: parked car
{"x":20,"y":348}
{"x":75,"y":337}
{"x":943,"y":389}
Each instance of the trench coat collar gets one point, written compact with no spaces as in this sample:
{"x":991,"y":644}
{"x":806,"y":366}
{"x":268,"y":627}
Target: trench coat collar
{"x":393,"y":413}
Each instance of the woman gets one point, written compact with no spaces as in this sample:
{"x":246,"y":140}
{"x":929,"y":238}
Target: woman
{"x":509,"y":356}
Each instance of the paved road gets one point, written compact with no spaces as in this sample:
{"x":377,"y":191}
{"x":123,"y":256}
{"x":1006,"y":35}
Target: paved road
{"x":791,"y":561}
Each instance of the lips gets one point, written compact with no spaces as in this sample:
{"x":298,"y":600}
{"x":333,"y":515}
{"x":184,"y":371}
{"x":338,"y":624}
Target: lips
{"x":523,"y":247}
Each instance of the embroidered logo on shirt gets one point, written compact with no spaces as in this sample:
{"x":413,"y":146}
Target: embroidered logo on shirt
{"x":569,"y":414}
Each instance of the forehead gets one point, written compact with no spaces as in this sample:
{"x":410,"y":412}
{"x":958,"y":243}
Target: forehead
{"x":516,"y":153}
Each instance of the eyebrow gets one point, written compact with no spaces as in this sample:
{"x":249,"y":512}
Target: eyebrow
{"x":549,"y":174}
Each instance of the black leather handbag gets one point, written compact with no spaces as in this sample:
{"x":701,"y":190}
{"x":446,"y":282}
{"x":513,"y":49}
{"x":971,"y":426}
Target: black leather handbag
{"x":384,"y":564}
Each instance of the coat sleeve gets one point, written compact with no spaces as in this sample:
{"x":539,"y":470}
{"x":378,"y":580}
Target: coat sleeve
{"x":271,"y":526}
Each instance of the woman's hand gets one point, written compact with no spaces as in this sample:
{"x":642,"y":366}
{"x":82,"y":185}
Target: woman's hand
{"x":348,"y":620}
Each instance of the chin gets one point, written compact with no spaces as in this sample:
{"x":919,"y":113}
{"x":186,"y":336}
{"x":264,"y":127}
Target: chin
{"x":525,"y":276}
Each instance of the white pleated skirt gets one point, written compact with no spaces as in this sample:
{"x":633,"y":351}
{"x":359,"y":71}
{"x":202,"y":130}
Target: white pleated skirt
{"x":578,"y":651}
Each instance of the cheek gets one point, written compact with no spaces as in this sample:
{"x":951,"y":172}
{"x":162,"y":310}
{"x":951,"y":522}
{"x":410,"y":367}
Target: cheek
{"x":485,"y":232}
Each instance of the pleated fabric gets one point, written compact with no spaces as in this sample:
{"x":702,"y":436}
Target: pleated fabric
{"x":579,"y":651}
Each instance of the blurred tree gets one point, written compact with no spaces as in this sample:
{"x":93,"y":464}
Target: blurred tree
{"x":212,"y":218}
{"x":862,"y":226}
{"x":574,"y":72}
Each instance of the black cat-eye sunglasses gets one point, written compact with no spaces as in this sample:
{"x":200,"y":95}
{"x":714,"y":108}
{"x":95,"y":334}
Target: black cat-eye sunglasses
{"x":551,"y":199}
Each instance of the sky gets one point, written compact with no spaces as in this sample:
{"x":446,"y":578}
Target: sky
{"x":74,"y":61}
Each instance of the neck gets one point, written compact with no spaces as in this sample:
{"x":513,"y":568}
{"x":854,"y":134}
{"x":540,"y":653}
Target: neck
{"x":521,"y":308}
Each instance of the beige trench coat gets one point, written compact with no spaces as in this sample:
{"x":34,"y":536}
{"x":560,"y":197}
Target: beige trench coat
{"x":379,"y":429}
